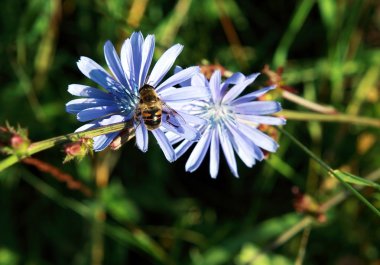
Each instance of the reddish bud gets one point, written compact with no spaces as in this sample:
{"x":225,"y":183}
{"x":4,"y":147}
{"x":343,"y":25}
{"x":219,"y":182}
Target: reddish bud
{"x":77,"y":149}
{"x":73,"y":149}
{"x":275,"y":78}
{"x":14,"y":141}
{"x":304,"y":203}
{"x":116,"y":143}
{"x":123,"y":137}
{"x":17,"y":141}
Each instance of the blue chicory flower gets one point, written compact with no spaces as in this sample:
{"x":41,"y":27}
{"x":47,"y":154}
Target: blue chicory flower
{"x":232,"y":123}
{"x":120,"y":100}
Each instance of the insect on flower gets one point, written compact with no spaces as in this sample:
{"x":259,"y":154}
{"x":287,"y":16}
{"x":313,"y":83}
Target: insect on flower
{"x":137,"y":95}
{"x":151,"y":107}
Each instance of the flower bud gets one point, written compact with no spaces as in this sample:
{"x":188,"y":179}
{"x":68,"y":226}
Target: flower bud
{"x":17,"y":141}
{"x":73,"y":149}
{"x":78,"y":149}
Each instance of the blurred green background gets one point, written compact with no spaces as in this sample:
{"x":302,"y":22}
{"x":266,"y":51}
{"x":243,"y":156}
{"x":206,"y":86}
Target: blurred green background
{"x":143,"y":210}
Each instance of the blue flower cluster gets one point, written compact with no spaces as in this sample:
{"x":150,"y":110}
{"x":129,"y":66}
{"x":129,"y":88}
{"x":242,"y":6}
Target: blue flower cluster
{"x":183,"y":110}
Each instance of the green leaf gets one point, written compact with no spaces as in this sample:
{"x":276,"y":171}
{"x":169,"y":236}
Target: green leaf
{"x":8,"y":256}
{"x":349,"y":178}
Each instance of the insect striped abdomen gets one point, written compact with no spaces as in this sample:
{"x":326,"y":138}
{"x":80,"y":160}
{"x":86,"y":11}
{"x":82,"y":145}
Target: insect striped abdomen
{"x":152,"y":117}
{"x":150,"y":107}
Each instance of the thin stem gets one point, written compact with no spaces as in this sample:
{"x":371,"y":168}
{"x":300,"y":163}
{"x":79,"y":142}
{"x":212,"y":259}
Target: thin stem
{"x":52,"y":142}
{"x":284,"y":237}
{"x":330,"y":171}
{"x":46,"y":144}
{"x":338,"y":117}
{"x":305,"y":222}
{"x":303,"y":244}
{"x":307,"y":103}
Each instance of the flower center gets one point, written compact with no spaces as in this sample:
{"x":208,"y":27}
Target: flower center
{"x":126,"y":101}
{"x":218,"y":114}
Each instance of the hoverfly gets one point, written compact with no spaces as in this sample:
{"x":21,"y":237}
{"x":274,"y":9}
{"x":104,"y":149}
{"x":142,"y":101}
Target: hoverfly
{"x":151,"y":108}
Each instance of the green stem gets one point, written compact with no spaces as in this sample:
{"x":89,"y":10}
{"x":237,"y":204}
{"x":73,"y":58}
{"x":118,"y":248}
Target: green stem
{"x":338,"y":117}
{"x":49,"y":143}
{"x":330,"y":171}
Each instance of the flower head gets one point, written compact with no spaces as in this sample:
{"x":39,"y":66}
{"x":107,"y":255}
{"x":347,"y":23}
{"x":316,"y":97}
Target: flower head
{"x":231,"y":123}
{"x":121,"y":99}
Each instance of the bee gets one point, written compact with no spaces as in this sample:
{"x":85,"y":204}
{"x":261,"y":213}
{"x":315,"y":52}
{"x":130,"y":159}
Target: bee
{"x":151,"y":108}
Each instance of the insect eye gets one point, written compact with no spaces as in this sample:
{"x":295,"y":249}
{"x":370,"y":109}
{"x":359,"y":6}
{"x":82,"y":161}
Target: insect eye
{"x":141,"y":101}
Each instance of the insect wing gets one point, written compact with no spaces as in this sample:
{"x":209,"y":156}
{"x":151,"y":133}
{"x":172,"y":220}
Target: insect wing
{"x":172,"y":117}
{"x":175,"y":122}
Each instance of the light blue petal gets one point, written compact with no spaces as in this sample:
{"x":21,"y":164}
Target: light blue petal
{"x":256,"y":151}
{"x":235,"y":78}
{"x":88,"y":126}
{"x":242,"y":146}
{"x":165,"y":145}
{"x":259,"y":154}
{"x":195,"y":107}
{"x":232,"y":80}
{"x":178,"y":78}
{"x":96,"y":73}
{"x":126,"y":57}
{"x":199,"y":152}
{"x":147,"y":55}
{"x":261,"y":119}
{"x":173,"y":137}
{"x":177,"y":69}
{"x":137,"y":41}
{"x":236,"y":90}
{"x":184,"y":83}
{"x":97,"y":112}
{"x":215,"y":81}
{"x":184,"y":94}
{"x":164,"y":64}
{"x":252,"y":96}
{"x":113,"y":119}
{"x":176,"y":124}
{"x":259,"y":138}
{"x":76,"y":105}
{"x":114,"y":64}
{"x":192,"y":119}
{"x":182,"y":148}
{"x":142,"y":136}
{"x":257,"y":107}
{"x":87,"y":92}
{"x":228,"y":152}
{"x":103,"y":141}
{"x":214,"y":154}
{"x":199,"y":80}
